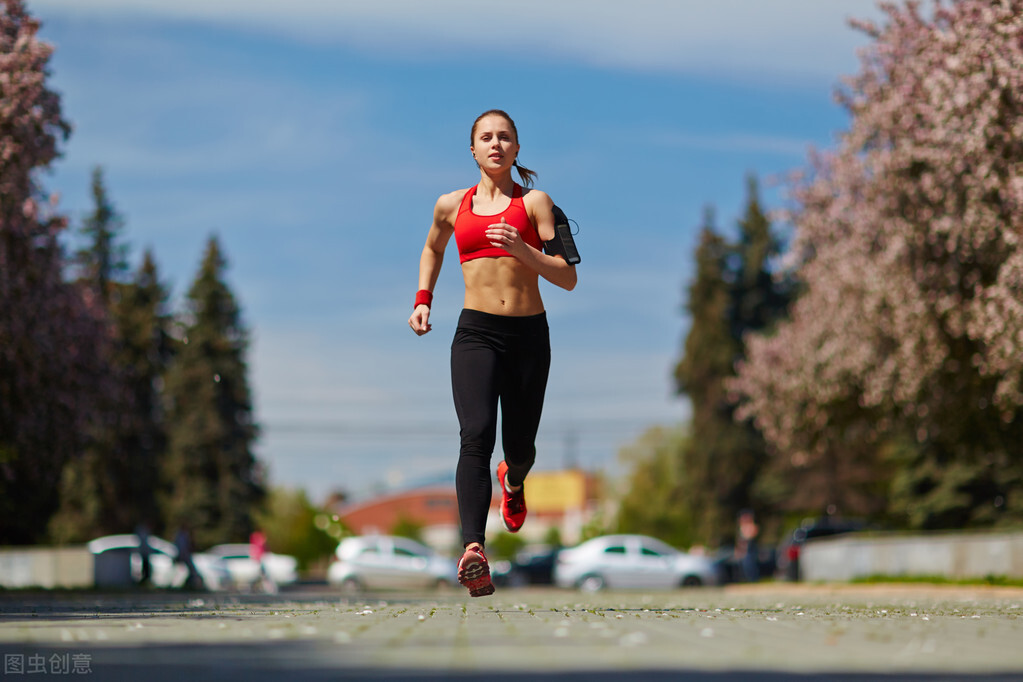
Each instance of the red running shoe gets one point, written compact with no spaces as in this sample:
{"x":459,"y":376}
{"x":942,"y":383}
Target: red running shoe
{"x":474,"y":573}
{"x":513,"y":505}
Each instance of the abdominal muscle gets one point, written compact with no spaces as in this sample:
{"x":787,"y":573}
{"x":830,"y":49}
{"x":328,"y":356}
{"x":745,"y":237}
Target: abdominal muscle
{"x":501,"y":286}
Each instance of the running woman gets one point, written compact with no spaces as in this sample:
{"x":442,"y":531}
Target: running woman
{"x":501,"y":351}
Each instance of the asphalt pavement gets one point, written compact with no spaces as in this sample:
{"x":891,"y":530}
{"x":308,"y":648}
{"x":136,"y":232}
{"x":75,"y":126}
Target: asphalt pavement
{"x":763,"y":633}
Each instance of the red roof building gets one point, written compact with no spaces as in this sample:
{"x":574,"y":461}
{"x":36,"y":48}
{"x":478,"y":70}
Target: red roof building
{"x":564,"y":500}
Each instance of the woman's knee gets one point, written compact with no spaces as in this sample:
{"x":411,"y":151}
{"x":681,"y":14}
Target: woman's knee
{"x":519,"y":456}
{"x":476,"y":447}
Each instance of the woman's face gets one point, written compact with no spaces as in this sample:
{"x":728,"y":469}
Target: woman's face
{"x":494,"y":145}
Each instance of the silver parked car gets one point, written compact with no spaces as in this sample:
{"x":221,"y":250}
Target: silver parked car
{"x":630,"y":561}
{"x":389,"y":562}
{"x":245,"y":572}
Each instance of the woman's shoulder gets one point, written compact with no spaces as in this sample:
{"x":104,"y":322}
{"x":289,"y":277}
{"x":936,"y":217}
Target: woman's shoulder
{"x":446,"y":208}
{"x":536,"y":197}
{"x":451,"y":200}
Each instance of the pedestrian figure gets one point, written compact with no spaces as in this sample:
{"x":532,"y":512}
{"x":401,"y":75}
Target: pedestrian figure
{"x":747,"y":550}
{"x":257,"y":551}
{"x":145,"y":553}
{"x":183,"y":543}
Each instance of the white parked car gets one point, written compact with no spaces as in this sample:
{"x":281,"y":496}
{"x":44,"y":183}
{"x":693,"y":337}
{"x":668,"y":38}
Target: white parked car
{"x":118,"y":562}
{"x":630,"y":561}
{"x":389,"y":562}
{"x":244,"y":571}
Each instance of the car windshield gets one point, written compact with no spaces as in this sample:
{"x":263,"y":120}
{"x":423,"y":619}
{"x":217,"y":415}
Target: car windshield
{"x":657,"y":548}
{"x":409,"y":548}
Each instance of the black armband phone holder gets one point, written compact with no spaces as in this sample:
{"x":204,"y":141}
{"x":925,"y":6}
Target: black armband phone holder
{"x":562,"y":245}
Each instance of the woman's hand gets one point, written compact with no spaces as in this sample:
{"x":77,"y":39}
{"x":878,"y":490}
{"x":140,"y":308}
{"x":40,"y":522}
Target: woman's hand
{"x":552,"y":268}
{"x":504,"y":236}
{"x":420,"y":320}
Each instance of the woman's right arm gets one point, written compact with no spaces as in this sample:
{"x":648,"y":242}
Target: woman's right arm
{"x":432,"y":258}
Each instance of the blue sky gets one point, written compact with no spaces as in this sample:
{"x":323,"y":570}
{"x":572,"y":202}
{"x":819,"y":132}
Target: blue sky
{"x":313,"y":137}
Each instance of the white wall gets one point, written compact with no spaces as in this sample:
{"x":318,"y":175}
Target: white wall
{"x":46,"y":567}
{"x":951,"y":555}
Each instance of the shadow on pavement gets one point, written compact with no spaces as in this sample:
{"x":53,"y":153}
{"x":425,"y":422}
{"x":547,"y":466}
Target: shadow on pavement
{"x":305,"y":661}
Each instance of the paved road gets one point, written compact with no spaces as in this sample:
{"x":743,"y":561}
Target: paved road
{"x":763,"y":633}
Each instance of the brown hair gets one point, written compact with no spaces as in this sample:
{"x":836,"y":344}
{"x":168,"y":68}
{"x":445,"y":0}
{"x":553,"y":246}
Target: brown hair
{"x":527,"y":176}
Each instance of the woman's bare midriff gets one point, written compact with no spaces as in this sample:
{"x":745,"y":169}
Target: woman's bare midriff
{"x":501,"y":286}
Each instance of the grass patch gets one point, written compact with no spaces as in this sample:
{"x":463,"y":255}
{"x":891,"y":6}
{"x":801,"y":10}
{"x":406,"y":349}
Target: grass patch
{"x":988,"y":580}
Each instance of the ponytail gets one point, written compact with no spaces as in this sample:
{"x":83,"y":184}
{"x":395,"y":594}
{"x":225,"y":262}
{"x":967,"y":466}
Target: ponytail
{"x":527,"y":176}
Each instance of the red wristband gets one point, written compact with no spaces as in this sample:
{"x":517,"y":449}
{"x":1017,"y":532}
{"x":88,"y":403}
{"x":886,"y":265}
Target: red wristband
{"x":423,"y":297}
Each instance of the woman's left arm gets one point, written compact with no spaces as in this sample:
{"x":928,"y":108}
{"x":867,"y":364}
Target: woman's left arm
{"x":554,"y":269}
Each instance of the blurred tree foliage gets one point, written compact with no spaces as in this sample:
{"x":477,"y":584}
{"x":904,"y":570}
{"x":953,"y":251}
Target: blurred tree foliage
{"x":91,"y":396}
{"x":103,"y":261}
{"x":733,"y":293}
{"x":893,"y":385}
{"x":688,"y":487}
{"x":52,"y":335}
{"x":406,"y":527}
{"x":654,"y":499}
{"x":213,"y":482}
{"x":504,"y":545}
{"x":289,"y":521}
{"x":146,"y":351}
{"x":553,"y":537}
{"x":906,"y":346}
{"x":112,"y":487}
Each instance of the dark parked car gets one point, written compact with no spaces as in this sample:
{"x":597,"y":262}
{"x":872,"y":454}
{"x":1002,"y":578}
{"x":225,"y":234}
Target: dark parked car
{"x":730,"y":569}
{"x":788,"y":554}
{"x":532,"y":565}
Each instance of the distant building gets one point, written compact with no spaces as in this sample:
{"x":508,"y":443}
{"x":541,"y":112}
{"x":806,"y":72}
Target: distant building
{"x":562,"y":500}
{"x":435,"y":508}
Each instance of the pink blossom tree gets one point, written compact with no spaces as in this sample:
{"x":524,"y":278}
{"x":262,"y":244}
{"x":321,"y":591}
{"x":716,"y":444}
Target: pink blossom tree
{"x":908,"y":337}
{"x":50,"y":336}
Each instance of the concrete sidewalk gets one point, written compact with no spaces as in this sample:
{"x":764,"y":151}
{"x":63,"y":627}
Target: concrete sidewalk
{"x":761,"y":633}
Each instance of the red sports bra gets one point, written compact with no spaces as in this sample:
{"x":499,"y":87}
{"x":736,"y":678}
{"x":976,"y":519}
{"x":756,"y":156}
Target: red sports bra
{"x":471,"y":229}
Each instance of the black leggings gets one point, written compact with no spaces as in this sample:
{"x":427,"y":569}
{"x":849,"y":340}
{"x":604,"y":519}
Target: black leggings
{"x":495,"y":357}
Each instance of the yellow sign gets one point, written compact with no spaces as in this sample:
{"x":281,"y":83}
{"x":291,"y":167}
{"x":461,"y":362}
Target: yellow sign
{"x":555,"y":491}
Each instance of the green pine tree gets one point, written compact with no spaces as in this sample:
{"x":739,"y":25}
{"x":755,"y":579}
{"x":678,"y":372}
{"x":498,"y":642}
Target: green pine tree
{"x":112,"y":487}
{"x":734,"y":292}
{"x":760,"y":298}
{"x":103,"y":262}
{"x":90,"y":485}
{"x":708,"y":355}
{"x":145,"y":349}
{"x":212,"y":481}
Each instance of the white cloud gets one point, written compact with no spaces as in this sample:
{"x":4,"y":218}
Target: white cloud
{"x":233,"y":123}
{"x":786,"y":39}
